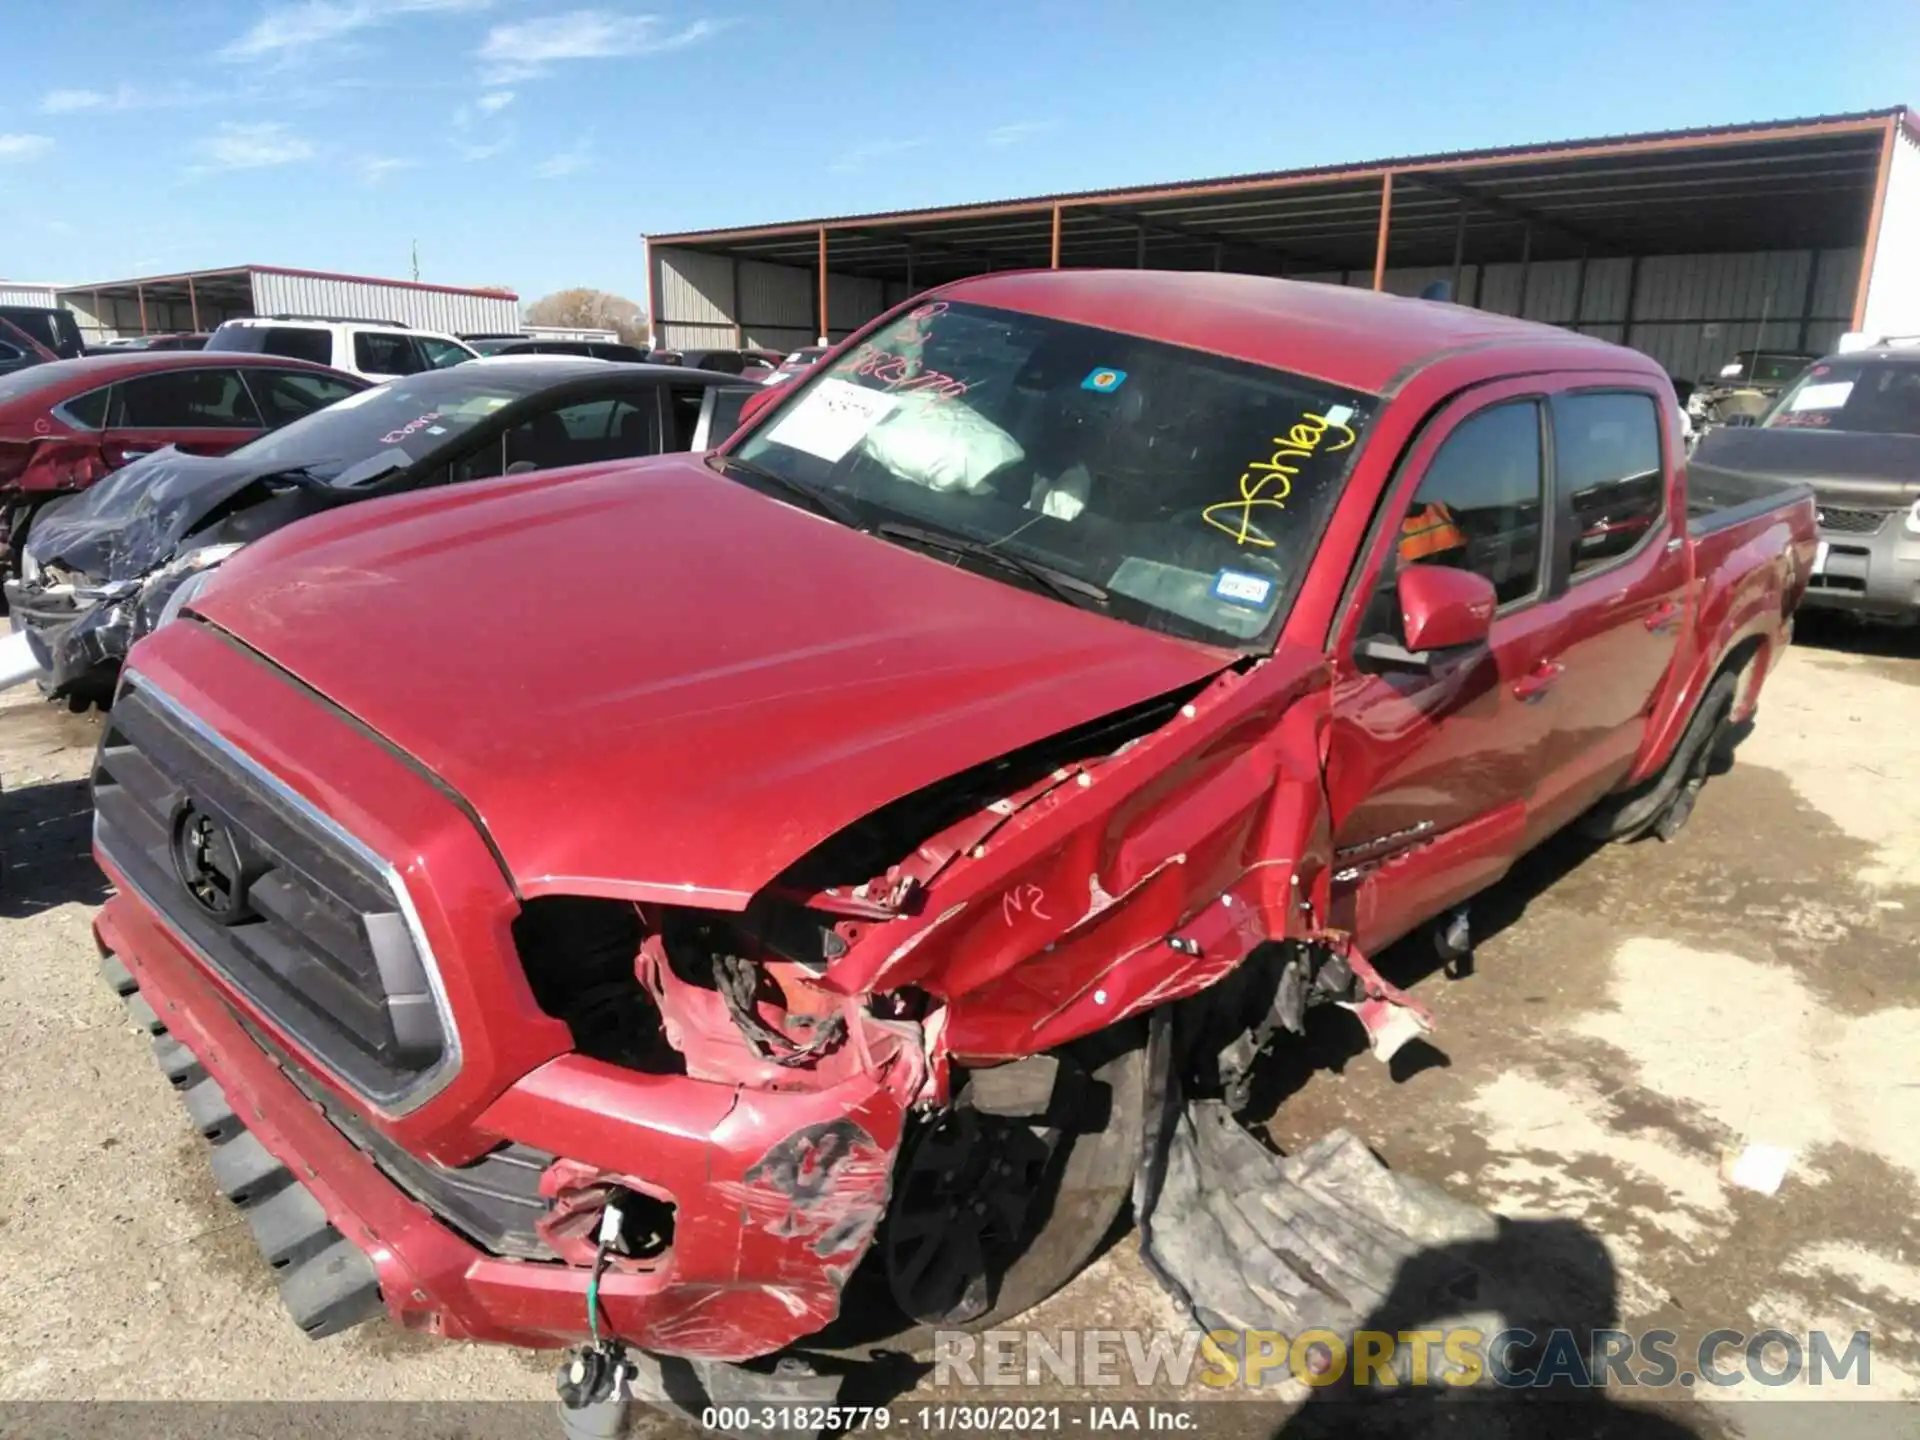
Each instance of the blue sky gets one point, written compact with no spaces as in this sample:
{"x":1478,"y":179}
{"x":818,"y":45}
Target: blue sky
{"x":529,"y":143}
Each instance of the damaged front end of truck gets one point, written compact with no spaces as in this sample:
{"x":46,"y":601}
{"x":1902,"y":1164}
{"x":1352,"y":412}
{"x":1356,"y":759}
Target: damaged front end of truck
{"x":963,"y":983}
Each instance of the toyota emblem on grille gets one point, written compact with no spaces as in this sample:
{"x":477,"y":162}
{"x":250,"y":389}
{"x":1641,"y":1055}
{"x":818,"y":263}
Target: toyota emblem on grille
{"x":209,"y":863}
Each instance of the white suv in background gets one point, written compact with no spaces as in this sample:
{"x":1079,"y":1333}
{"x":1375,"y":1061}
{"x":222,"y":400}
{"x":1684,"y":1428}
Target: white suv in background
{"x":377,"y":349}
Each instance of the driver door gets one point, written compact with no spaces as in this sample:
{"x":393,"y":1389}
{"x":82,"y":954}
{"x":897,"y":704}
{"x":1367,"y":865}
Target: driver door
{"x":1431,"y":759}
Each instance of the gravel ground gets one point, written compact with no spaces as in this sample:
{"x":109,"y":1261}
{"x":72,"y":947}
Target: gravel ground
{"x":1635,"y":1015}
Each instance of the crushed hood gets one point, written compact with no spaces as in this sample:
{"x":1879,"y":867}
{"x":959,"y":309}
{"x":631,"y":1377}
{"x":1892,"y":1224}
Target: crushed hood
{"x":650,"y":681}
{"x":1843,"y":467}
{"x":131,"y":522}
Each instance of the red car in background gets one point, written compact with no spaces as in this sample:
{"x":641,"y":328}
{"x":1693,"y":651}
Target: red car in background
{"x":66,"y":423}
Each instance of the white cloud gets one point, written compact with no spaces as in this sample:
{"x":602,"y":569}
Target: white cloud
{"x":494,"y":101}
{"x":24,"y":147}
{"x":847,"y":162}
{"x":526,"y":48}
{"x":375,"y":168}
{"x":123,"y":97}
{"x":568,"y":161}
{"x":483,"y":150}
{"x":1001,"y":136}
{"x":255,"y":146}
{"x":284,"y":30}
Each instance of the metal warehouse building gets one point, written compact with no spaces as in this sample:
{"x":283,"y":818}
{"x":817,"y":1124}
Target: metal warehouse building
{"x":202,"y":299}
{"x":1688,"y":245}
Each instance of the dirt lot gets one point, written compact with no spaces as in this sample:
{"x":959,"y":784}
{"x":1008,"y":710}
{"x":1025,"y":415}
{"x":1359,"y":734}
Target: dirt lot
{"x":1634,"y":1015}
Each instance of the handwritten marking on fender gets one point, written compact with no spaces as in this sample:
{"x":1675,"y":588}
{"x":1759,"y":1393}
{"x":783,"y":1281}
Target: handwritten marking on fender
{"x":1024,"y":899}
{"x":1268,"y":483}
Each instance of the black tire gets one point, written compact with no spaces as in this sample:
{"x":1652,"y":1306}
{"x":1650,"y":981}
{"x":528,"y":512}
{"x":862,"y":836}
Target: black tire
{"x":1088,"y":1183}
{"x":1663,"y":805}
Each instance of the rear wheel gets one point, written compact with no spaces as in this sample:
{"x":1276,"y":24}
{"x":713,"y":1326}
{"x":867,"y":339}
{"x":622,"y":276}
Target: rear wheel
{"x":1663,"y":805}
{"x":1002,"y":1198}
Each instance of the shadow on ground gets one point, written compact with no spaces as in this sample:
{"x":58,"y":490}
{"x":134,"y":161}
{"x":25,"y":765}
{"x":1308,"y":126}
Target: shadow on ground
{"x":47,"y":835}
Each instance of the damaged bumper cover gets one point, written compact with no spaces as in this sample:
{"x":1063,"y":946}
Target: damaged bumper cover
{"x":775,"y":1195}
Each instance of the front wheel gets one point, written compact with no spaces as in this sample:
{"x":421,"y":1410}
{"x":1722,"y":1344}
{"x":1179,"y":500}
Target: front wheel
{"x":1002,"y":1198}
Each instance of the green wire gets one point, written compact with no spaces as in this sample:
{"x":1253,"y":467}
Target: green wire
{"x":593,"y":1302}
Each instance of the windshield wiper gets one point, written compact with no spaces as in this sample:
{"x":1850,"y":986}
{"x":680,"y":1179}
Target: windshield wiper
{"x":819,"y":501}
{"x":1058,"y":583}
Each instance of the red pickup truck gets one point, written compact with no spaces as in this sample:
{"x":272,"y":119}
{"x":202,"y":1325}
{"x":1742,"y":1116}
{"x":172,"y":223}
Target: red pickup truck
{"x":746,"y":934}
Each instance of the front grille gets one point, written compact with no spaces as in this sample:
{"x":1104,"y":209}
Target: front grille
{"x":313,"y":932}
{"x":495,"y":1201}
{"x":1851,"y":522}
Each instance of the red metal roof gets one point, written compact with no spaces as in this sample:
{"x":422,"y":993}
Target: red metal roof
{"x":1802,"y":128}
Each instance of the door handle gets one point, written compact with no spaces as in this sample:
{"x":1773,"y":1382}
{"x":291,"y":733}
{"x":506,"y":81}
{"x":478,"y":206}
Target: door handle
{"x":1531,"y":688}
{"x":1664,"y":619}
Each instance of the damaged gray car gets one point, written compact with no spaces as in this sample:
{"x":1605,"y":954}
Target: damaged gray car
{"x":109,"y":565}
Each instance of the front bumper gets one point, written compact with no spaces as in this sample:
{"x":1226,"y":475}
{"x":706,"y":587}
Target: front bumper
{"x":1873,"y":574}
{"x":73,"y":645}
{"x":776,"y":1195}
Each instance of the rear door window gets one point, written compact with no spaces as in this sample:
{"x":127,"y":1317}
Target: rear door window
{"x":378,"y":352}
{"x":206,"y":398}
{"x":1607,"y":474}
{"x":285,"y":395}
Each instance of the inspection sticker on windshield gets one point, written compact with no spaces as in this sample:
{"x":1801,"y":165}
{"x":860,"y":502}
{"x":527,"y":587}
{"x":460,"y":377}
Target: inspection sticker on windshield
{"x":1828,"y":396}
{"x":832,"y":419}
{"x":1104,"y":380}
{"x":1237,"y":587}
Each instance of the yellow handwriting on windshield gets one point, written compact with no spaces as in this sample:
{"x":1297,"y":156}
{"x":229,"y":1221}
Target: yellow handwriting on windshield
{"x":1268,"y":483}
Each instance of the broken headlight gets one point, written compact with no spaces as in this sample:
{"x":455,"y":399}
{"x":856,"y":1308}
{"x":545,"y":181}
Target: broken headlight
{"x":175,"y":584}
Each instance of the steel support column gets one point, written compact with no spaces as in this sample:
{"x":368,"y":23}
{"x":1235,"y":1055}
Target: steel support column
{"x":826,"y":335}
{"x":1386,"y":221}
{"x":1054,"y":263}
{"x":1868,"y":250}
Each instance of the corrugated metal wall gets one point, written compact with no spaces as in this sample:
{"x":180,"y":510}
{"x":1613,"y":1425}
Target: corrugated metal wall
{"x":703,"y":298}
{"x":14,"y":292}
{"x":278,"y":293}
{"x":1690,"y":312}
{"x":1893,"y":290}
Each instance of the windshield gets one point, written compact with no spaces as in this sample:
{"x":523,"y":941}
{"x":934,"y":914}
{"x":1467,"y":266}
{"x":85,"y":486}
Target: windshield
{"x":398,"y":423}
{"x":1867,"y":397}
{"x":1188,"y":487}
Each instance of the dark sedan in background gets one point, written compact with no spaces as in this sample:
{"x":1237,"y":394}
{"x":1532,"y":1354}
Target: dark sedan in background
{"x":66,"y":423}
{"x":105,"y":567}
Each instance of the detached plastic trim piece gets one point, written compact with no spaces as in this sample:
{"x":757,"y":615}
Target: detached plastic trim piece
{"x":326,"y":1282}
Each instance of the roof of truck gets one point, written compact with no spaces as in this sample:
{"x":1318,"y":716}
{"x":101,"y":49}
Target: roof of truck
{"x":1363,"y":339}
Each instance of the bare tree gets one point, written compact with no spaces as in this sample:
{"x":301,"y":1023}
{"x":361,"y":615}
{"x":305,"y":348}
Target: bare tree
{"x":585,"y":309}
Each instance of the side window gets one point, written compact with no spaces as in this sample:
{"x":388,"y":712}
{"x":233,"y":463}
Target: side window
{"x":11,"y":352}
{"x":296,"y":343}
{"x":441,"y":353}
{"x":636,"y":425}
{"x":1606,"y":466}
{"x":1480,"y":504}
{"x":590,"y":420}
{"x":286,"y":395}
{"x":380,"y":352}
{"x":88,"y":411}
{"x":203,"y":399}
{"x":725,"y":418}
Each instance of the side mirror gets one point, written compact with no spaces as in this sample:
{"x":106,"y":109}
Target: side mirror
{"x":1442,"y":607}
{"x":751,"y":407}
